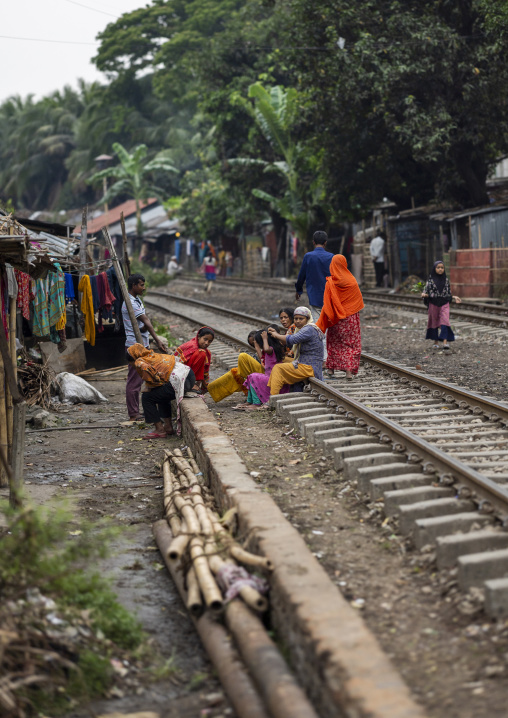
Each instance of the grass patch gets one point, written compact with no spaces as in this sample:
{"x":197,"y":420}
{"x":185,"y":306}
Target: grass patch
{"x":153,"y":277}
{"x":63,"y":624}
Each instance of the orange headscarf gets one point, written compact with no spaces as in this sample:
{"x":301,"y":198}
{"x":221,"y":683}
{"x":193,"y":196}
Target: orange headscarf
{"x":342,"y":296}
{"x":154,"y":368}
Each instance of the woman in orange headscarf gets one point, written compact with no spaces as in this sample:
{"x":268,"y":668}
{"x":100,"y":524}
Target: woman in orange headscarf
{"x":342,"y":303}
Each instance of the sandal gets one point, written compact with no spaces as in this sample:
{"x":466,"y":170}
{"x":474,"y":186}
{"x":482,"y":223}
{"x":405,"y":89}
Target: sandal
{"x":156,"y":435}
{"x":446,"y":347}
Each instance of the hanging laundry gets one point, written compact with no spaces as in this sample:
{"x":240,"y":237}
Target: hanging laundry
{"x":40,"y":305}
{"x":114,"y":286}
{"x":106,"y":298}
{"x":69,"y":288}
{"x":23,"y":302}
{"x":95,"y":293}
{"x":87,"y":308}
{"x":56,"y":300}
{"x":4,"y":302}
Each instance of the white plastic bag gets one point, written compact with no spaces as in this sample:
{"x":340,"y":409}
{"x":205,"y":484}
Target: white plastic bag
{"x":75,"y":390}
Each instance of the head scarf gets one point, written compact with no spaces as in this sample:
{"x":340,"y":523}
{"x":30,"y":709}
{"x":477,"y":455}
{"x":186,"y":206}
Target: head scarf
{"x":438,"y":279}
{"x":154,"y":368}
{"x":303,"y":312}
{"x":438,"y":287}
{"x":342,"y":297}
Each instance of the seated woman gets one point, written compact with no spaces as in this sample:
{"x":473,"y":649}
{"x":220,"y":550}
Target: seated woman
{"x":308,"y":350}
{"x":233,"y":380}
{"x":273,"y":352}
{"x":286,"y":319}
{"x":196,"y":355}
{"x":166,"y":379}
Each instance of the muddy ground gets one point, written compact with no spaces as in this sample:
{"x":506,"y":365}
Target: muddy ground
{"x":452,"y":656}
{"x":114,"y":474}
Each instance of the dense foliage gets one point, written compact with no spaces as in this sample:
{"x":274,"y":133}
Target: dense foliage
{"x":394,"y":98}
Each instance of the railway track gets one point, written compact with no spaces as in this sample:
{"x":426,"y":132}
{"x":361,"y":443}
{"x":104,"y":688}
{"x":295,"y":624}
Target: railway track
{"x":433,"y":454}
{"x":477,"y":319}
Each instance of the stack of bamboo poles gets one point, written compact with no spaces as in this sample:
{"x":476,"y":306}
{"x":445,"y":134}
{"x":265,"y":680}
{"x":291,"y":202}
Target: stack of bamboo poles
{"x":252,"y":670}
{"x":200,"y":540}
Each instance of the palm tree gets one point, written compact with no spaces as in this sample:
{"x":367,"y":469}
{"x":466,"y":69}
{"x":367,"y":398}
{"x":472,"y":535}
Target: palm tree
{"x":133,"y":176}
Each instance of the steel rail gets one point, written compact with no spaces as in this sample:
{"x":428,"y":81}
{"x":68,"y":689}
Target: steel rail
{"x":486,"y":404}
{"x":436,"y":460}
{"x":474,"y":311}
{"x":441,"y":462}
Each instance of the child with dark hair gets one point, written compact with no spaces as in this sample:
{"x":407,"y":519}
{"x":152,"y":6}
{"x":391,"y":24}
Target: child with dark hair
{"x":438,"y":296}
{"x":195,"y":353}
{"x":272,"y":352}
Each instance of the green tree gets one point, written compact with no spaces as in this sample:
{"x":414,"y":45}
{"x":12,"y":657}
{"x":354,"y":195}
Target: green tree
{"x":402,"y":92}
{"x":134,"y":177}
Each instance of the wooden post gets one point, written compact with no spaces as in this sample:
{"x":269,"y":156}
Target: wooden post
{"x":470,"y":243}
{"x":15,"y":476}
{"x":82,"y":242}
{"x":123,"y":286}
{"x":12,"y":348}
{"x":4,"y":441}
{"x":479,"y":235}
{"x":125,"y":252}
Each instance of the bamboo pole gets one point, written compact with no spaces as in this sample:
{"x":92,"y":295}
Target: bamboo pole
{"x":18,"y":434}
{"x":123,"y":287}
{"x":277,"y":685}
{"x":8,"y":395}
{"x":82,"y":242}
{"x":4,"y":441}
{"x":209,"y":589}
{"x":231,"y":671}
{"x":194,"y":602}
{"x":236,"y":551}
{"x":125,"y":253}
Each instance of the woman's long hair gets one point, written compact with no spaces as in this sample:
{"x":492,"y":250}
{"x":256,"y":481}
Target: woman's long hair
{"x":276,"y":345}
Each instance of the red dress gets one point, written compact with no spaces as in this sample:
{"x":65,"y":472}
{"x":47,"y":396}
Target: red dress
{"x":197,"y":359}
{"x":344,"y":344}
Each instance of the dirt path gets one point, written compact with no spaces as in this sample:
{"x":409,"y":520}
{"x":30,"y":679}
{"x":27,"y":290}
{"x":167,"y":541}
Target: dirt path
{"x":113,"y":473}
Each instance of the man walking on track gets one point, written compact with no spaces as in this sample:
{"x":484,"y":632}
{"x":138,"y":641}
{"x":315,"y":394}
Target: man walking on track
{"x":314,"y":271}
{"x":136,"y":287}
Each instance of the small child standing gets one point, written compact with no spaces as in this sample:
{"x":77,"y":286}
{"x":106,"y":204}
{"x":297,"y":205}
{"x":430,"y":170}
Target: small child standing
{"x":437,"y":296}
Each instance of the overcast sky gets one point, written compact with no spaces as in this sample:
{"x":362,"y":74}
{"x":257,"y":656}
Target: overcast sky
{"x":37,"y":66}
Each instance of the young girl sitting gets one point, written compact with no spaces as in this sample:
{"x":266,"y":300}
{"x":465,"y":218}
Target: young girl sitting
{"x":197,"y":356}
{"x":438,"y":295}
{"x":272,"y":352}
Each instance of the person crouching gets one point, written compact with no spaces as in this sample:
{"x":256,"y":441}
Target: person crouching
{"x":166,"y":380}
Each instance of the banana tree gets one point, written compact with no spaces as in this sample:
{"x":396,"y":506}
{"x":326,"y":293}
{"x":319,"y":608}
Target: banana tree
{"x":275,"y":111}
{"x":133,"y":177}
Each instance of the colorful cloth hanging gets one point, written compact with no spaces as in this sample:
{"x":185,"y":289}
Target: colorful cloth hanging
{"x":56,"y":300}
{"x":23,"y":301}
{"x":40,"y":304}
{"x":87,"y":309}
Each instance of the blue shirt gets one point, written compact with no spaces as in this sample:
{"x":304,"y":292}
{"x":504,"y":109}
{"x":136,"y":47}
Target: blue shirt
{"x":314,"y":271}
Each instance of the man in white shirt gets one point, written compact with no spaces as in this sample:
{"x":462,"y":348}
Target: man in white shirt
{"x":173,"y":268}
{"x":377,"y":252}
{"x":136,"y":287}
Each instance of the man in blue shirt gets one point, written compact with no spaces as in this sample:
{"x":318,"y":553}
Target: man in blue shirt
{"x":314,"y":271}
